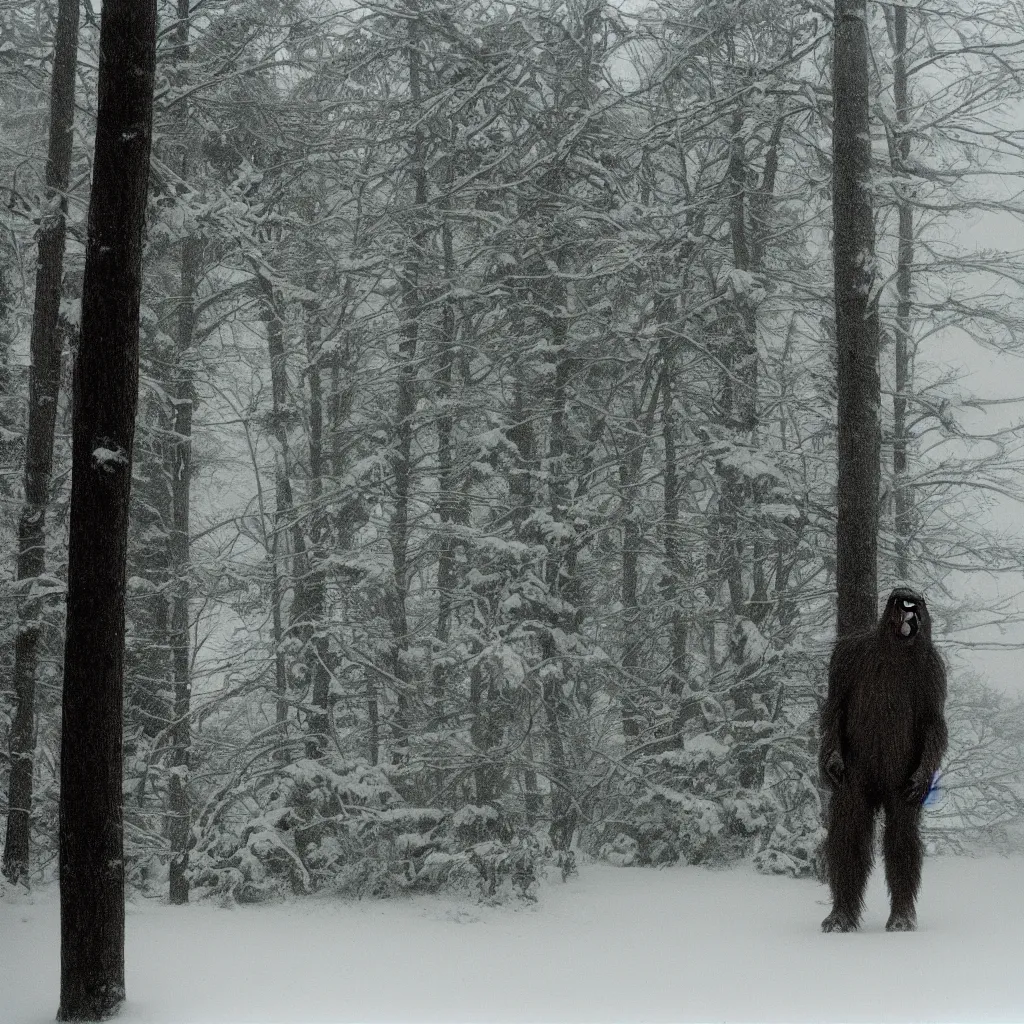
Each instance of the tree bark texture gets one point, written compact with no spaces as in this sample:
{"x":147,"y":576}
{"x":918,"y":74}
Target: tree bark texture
{"x":319,"y":661}
{"x":398,"y":531}
{"x":904,"y":280}
{"x":744,"y":553}
{"x":485,"y":732}
{"x":44,"y":387}
{"x":559,"y":575}
{"x":521,"y":492}
{"x":629,"y":475}
{"x":285,"y":519}
{"x":180,"y":457}
{"x":636,"y":442}
{"x":181,"y":647}
{"x":447,"y":473}
{"x":674,"y":566}
{"x":857,"y":332}
{"x":105,"y":399}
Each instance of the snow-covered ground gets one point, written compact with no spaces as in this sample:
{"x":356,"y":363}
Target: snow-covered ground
{"x":615,"y":944}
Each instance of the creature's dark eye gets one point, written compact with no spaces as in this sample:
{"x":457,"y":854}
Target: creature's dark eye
{"x":909,"y":604}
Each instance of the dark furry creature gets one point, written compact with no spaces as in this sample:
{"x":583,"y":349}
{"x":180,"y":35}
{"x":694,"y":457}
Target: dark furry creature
{"x":883,"y":734}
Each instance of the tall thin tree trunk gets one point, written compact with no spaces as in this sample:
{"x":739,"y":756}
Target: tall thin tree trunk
{"x":857,"y":333}
{"x":671,"y":582}
{"x":178,"y":541}
{"x":373,"y":719}
{"x":760,"y":604}
{"x":105,"y":400}
{"x":629,"y":484}
{"x":318,"y":655}
{"x":678,"y":637}
{"x":398,"y":532}
{"x":629,"y":471}
{"x":483,"y":696}
{"x":743,"y":557}
{"x":277,"y":625}
{"x":786,"y":545}
{"x":286,"y":520}
{"x":533,"y":801}
{"x":286,"y":525}
{"x":521,"y":435}
{"x":447,"y":477}
{"x":563,"y":819}
{"x":738,"y":403}
{"x":181,"y":591}
{"x":904,"y":279}
{"x":44,"y":386}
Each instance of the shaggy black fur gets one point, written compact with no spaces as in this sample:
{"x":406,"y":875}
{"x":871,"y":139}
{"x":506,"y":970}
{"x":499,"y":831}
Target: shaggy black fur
{"x":883,"y":734}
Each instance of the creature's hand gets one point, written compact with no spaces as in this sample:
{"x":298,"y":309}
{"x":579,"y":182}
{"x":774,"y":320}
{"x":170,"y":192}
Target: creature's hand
{"x":832,"y":769}
{"x":920,"y":783}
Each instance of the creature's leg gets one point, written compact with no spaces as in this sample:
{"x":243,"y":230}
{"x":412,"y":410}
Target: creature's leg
{"x":848,"y":854}
{"x":904,"y":853}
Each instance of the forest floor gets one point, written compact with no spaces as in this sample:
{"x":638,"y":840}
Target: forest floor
{"x":614,"y":944}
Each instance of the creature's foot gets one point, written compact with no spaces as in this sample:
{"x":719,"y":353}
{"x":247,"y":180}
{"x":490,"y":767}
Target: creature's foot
{"x":901,"y":921}
{"x":839,"y":921}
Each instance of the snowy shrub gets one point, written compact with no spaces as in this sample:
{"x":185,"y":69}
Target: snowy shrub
{"x":663,"y":828}
{"x":300,"y":823}
{"x":478,"y":848}
{"x":790,"y":846}
{"x":979,"y":803}
{"x":340,"y":826}
{"x":515,"y":865}
{"x":790,"y":853}
{"x":473,"y":824}
{"x":683,"y":805}
{"x":622,"y":851}
{"x":145,"y":871}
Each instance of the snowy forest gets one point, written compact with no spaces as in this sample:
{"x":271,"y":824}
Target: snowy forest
{"x":483,"y":497}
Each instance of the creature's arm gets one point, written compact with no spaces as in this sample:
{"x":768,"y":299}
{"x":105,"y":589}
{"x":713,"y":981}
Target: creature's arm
{"x":934,"y":735}
{"x":830,"y":759}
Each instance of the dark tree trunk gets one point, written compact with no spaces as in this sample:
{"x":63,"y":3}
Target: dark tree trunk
{"x":44,"y":385}
{"x":787,"y":545}
{"x":180,"y":466}
{"x":520,"y":484}
{"x":280,"y":666}
{"x":181,"y":647}
{"x":671,"y":582}
{"x":286,"y":524}
{"x":447,"y":505}
{"x":285,"y":518}
{"x":630,"y":487}
{"x":673,"y":553}
{"x":629,"y":473}
{"x":743,"y":556}
{"x":738,"y":402}
{"x":398,"y":532}
{"x":319,"y":663}
{"x":483,"y":730}
{"x":760,"y":604}
{"x":856,"y":324}
{"x":373,"y":720}
{"x":105,"y":399}
{"x":521,"y":434}
{"x":904,"y":280}
{"x":563,"y":818}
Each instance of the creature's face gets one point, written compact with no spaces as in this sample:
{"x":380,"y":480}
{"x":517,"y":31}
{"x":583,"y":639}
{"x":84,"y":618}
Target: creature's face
{"x":906,"y":615}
